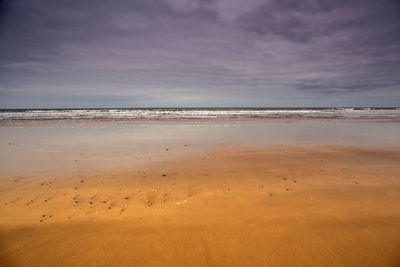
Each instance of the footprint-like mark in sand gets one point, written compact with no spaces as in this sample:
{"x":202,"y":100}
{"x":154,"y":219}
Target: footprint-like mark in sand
{"x":75,"y":200}
{"x":125,"y":204}
{"x":29,"y":203}
{"x":43,"y":218}
{"x":49,"y":198}
{"x":14,"y":200}
{"x":149,"y":203}
{"x":48,"y":183}
{"x":71,"y":216}
{"x":16,"y":180}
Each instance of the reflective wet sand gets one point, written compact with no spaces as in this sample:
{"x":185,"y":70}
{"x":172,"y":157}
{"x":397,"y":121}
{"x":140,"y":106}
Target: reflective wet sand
{"x":300,"y":194}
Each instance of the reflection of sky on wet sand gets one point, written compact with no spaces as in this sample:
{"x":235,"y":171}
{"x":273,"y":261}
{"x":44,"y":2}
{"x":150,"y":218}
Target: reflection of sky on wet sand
{"x":81,"y":145}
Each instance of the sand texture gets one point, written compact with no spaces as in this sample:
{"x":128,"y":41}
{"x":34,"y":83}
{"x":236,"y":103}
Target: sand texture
{"x":230,"y":206}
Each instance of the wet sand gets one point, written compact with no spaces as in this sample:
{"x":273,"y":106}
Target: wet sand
{"x":226,"y":206}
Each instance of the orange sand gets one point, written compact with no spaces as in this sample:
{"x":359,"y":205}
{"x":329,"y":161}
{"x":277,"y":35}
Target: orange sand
{"x":237,"y":206}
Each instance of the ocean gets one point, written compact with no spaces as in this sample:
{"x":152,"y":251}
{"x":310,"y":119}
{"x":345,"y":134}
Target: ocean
{"x":121,"y":114}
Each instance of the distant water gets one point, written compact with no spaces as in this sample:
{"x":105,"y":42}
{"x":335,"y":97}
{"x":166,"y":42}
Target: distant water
{"x":200,"y":113}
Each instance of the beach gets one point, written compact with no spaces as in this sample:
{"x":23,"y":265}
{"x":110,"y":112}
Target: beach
{"x":258,"y":193}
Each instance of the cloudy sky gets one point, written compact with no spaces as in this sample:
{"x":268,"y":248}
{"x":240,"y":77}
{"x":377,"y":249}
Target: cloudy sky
{"x":177,"y":53}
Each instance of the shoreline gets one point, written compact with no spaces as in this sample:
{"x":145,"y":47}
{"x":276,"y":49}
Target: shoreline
{"x":100,"y":121}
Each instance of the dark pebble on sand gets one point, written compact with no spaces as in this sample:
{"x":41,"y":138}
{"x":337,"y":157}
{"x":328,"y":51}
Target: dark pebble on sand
{"x":90,"y":202}
{"x":164,"y":175}
{"x":287,"y":189}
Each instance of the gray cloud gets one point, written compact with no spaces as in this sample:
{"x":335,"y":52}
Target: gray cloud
{"x":199,"y":52}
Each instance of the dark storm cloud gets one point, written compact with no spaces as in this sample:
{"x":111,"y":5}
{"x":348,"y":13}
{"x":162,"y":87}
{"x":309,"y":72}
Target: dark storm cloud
{"x":199,"y":52}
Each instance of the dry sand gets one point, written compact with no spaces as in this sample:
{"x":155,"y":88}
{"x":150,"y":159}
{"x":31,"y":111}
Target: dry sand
{"x":231,"y":206}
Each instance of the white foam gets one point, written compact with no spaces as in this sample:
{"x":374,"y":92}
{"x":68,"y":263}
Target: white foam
{"x":161,"y":114}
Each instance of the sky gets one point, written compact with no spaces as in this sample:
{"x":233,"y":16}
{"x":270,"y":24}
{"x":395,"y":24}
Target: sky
{"x":199,"y":53}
